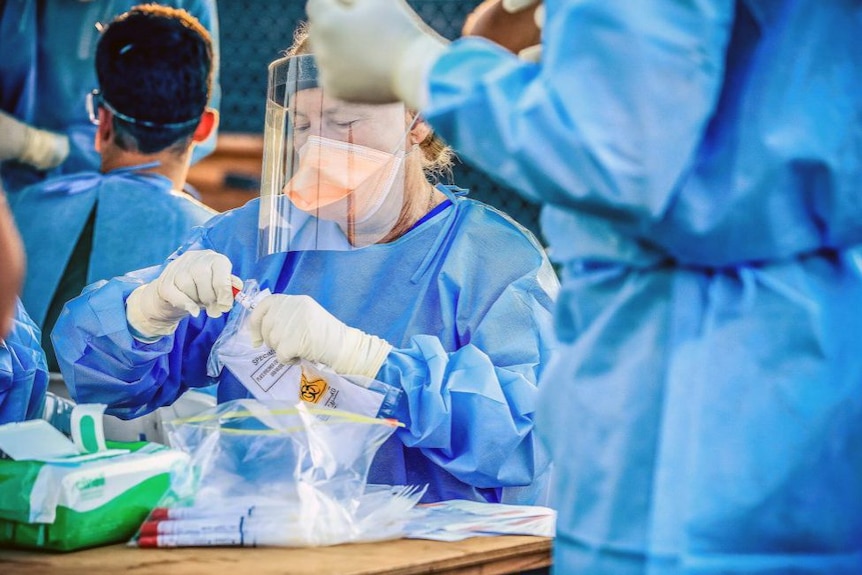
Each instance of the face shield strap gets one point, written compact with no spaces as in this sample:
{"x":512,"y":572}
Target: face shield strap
{"x":96,"y":100}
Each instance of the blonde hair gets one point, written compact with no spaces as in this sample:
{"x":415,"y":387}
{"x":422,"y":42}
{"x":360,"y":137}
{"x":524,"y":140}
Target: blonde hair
{"x":437,"y":156}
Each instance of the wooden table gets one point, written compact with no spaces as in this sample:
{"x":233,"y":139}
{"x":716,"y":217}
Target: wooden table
{"x":475,"y":556}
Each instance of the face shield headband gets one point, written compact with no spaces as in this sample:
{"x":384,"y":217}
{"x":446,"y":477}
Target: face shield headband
{"x":96,"y":100}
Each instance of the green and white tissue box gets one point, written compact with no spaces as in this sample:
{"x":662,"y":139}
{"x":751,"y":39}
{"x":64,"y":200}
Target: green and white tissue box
{"x":60,"y":495}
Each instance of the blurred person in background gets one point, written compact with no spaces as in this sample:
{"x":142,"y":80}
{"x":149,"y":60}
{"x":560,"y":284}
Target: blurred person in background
{"x":46,"y":72}
{"x":155,"y":71}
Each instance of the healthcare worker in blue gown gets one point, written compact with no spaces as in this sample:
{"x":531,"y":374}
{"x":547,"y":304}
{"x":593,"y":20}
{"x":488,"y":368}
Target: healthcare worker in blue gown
{"x":23,"y":371}
{"x":700,"y":166}
{"x":155,"y":74}
{"x":46,"y":72}
{"x":441,"y":296}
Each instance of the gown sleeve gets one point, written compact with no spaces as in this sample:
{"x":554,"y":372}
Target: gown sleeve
{"x":610,"y":118}
{"x":23,"y":371}
{"x":101,"y":361}
{"x":471,"y":410}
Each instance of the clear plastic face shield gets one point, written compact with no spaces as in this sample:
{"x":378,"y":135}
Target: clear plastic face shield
{"x":333,"y":171}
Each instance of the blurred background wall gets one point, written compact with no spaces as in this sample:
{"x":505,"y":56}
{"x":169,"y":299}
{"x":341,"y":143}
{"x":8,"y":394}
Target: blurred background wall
{"x":256,"y":32}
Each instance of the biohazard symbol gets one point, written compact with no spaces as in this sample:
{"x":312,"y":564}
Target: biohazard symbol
{"x":312,"y":390}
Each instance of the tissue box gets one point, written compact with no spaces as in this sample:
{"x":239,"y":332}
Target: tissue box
{"x":68,"y":502}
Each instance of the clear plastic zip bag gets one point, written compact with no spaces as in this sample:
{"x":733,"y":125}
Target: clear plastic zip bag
{"x":273,"y":474}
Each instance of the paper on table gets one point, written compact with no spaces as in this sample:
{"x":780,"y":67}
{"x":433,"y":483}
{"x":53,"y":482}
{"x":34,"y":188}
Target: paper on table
{"x":459,"y":519}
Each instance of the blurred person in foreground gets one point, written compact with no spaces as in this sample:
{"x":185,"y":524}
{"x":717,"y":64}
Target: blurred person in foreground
{"x":12,"y":260}
{"x":23,"y":373}
{"x":700,"y":166}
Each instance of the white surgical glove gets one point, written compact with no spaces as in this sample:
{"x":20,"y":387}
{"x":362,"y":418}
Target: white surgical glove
{"x":296,"y":326}
{"x":195,"y":280}
{"x":39,"y":148}
{"x":375,"y":51}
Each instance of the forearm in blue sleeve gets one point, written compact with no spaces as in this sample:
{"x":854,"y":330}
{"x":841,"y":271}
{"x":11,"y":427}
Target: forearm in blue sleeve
{"x":611,"y":117}
{"x":23,"y":371}
{"x":469,"y":417}
{"x":101,"y":361}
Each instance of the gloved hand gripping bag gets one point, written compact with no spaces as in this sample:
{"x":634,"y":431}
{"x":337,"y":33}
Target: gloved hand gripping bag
{"x":257,"y":368}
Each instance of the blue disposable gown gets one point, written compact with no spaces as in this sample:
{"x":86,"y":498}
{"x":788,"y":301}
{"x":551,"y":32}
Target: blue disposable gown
{"x":701,"y":169}
{"x":140,"y":220}
{"x":48,"y":67}
{"x":23,"y":373}
{"x":465,"y":298}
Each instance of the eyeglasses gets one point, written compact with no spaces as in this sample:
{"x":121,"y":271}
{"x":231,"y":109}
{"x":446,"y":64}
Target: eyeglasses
{"x":95,"y":100}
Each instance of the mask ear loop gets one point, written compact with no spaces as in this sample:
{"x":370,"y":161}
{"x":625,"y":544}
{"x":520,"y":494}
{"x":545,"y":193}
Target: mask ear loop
{"x":351,"y":212}
{"x":351,"y":224}
{"x":351,"y":215}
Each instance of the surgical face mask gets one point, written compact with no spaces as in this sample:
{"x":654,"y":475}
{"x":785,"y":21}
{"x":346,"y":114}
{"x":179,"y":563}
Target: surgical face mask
{"x":337,"y":180}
